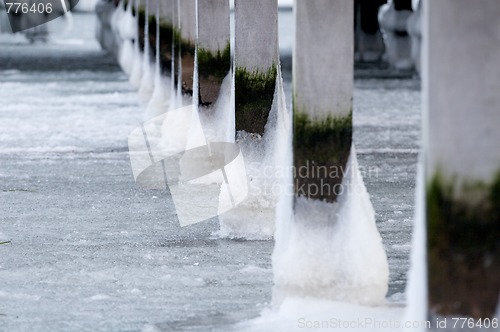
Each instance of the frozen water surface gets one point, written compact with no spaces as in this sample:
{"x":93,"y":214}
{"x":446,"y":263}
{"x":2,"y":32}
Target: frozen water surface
{"x":91,"y":251}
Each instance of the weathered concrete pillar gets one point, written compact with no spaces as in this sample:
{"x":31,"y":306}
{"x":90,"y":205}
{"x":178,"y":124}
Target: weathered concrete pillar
{"x":461,"y":84}
{"x":255,"y":75}
{"x":176,"y":64}
{"x":147,"y":80}
{"x":393,"y":18}
{"x":160,"y":101}
{"x":128,"y":33}
{"x":214,"y":54}
{"x":141,"y":21}
{"x":256,"y":59}
{"x":368,"y":42}
{"x":167,"y":34}
{"x":104,"y":32}
{"x":327,"y":246}
{"x":322,"y":84}
{"x":414,"y":27}
{"x":187,"y":23}
{"x":136,"y":73}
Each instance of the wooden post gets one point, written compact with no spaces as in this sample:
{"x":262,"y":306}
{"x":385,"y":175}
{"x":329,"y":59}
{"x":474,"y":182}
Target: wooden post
{"x":461,"y":85}
{"x":256,"y":60}
{"x":214,"y":54}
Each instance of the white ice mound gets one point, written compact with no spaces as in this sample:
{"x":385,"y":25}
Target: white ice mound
{"x":332,"y":250}
{"x":128,"y":24}
{"x":160,"y":99}
{"x":254,"y":218}
{"x":146,"y":86}
{"x":136,"y":72}
{"x":309,"y":314}
{"x":116,"y":18}
{"x":126,"y":56}
{"x":265,"y":163}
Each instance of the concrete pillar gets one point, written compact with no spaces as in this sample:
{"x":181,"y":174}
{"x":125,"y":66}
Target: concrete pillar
{"x":176,"y":64}
{"x":393,"y":19}
{"x":368,"y":42}
{"x":136,"y":72}
{"x":322,"y":84}
{"x":214,"y":54}
{"x":143,"y":10}
{"x":255,"y":116}
{"x":461,"y":85}
{"x":147,"y":80}
{"x":167,"y":30}
{"x":187,"y":40}
{"x":104,"y":33}
{"x":414,"y":27}
{"x":255,"y":63}
{"x":326,"y":243}
{"x":167,"y":33}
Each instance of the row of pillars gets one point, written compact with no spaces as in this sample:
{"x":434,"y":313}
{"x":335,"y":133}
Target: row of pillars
{"x":461,"y":81}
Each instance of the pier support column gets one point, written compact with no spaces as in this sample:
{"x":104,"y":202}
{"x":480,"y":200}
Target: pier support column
{"x":214,"y":53}
{"x":414,"y":27}
{"x":166,"y":32}
{"x":104,"y":32}
{"x":369,"y":43}
{"x":327,"y":245}
{"x":255,"y":63}
{"x":141,"y":6}
{"x":393,"y":19}
{"x":187,"y":23}
{"x":461,"y":84}
{"x":322,"y":93}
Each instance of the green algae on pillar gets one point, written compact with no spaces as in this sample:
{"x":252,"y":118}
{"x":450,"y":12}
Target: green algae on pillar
{"x":327,"y":243}
{"x":322,"y":105}
{"x":254,"y":94}
{"x":256,"y":58}
{"x":214,"y":54}
{"x":463,"y":243}
{"x":321,"y":151}
{"x":461,"y":79}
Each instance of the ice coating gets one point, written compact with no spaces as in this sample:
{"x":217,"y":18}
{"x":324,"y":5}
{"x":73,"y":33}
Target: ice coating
{"x":332,"y":251}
